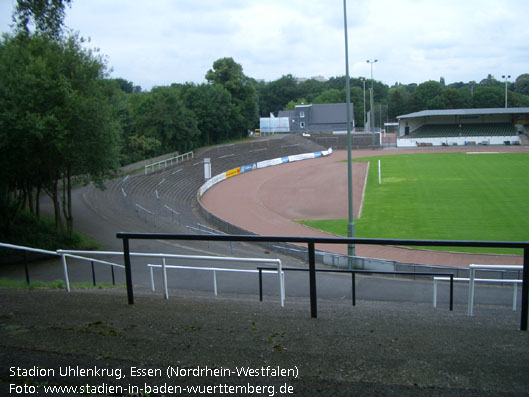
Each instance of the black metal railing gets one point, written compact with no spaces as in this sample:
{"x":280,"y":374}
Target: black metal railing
{"x":312,"y":241}
{"x":354,"y":272}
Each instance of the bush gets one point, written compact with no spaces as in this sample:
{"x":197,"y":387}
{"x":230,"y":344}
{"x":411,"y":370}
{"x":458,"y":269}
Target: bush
{"x":31,"y":231}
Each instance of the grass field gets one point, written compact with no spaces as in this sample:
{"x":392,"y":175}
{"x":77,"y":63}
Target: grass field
{"x":447,"y":196}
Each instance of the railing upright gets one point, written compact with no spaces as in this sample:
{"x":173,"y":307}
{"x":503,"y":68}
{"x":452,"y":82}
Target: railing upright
{"x":312,"y":281}
{"x":525,"y":289}
{"x":128,"y":271}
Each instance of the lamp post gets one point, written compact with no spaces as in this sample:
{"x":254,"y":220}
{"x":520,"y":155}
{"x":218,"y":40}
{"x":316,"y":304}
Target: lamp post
{"x":350,"y":223}
{"x":506,"y":77}
{"x":371,"y":108}
{"x":364,"y":83}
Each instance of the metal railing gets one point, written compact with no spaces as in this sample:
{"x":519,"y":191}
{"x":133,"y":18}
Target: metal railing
{"x":312,"y":241}
{"x":471,"y":291}
{"x":169,"y":161}
{"x":25,"y":251}
{"x":223,"y":269}
{"x":164,"y":265}
{"x":473,"y":269}
{"x":71,"y":254}
{"x":448,"y":276}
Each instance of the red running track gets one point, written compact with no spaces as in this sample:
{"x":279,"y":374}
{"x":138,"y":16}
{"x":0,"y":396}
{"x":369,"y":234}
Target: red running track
{"x":266,"y":202}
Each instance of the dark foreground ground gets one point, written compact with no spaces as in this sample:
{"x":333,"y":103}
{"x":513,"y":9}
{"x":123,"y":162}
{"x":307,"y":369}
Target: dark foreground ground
{"x":375,"y":348}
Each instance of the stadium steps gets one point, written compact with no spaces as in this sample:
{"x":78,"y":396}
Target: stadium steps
{"x":176,"y":186}
{"x":524,"y":140}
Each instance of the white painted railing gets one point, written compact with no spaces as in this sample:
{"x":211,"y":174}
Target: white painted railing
{"x":277,"y":262}
{"x":478,"y":280}
{"x":169,"y":161}
{"x":215,"y":270}
{"x":29,"y":249}
{"x":473,"y":269}
{"x":65,"y":254}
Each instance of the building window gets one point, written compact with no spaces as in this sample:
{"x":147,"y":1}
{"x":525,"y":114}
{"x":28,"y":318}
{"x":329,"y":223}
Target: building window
{"x":302,"y":114}
{"x":302,"y":124}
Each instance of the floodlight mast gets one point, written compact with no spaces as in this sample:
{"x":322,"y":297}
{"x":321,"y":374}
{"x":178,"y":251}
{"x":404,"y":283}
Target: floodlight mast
{"x":506,"y":77}
{"x":371,"y":106}
{"x":350,"y":223}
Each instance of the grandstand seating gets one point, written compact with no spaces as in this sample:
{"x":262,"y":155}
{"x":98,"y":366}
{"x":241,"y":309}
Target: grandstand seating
{"x":176,"y":187}
{"x":466,"y":130}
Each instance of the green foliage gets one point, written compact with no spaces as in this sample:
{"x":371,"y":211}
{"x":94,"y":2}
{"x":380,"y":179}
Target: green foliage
{"x":30,"y":231}
{"x":229,"y":74}
{"x":216,"y":117}
{"x":397,"y":101}
{"x":46,"y":15}
{"x":57,"y":284}
{"x":163,"y":116}
{"x":275,"y":96}
{"x":293,"y":103}
{"x":56,"y":115}
{"x":427,"y":95}
{"x":489,"y":97}
{"x":331,"y":96}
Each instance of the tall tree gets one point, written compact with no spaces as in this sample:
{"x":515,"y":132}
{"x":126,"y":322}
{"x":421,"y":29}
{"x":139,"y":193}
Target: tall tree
{"x":428,"y":95}
{"x":229,"y":74}
{"x":47,"y":16}
{"x":397,"y":102}
{"x":164,"y":117}
{"x":489,"y":97}
{"x":331,"y":96}
{"x":274,"y":96}
{"x":521,"y":84}
{"x":54,"y":111}
{"x":211,"y":105}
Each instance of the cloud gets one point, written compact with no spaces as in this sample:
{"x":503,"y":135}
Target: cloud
{"x":165,"y":41}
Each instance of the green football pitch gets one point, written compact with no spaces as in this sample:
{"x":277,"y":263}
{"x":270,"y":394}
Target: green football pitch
{"x":449,"y":196}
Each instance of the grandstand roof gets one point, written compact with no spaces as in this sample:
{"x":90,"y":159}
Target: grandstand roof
{"x":463,"y":112}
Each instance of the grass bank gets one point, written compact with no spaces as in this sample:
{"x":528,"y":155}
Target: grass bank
{"x":57,"y":284}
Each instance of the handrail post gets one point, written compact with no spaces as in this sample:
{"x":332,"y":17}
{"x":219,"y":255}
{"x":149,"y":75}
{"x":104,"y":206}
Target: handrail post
{"x":514,"y":296}
{"x":128,"y":271}
{"x":66,"y":278}
{"x":451,"y":292}
{"x":470,"y":307}
{"x":164,"y":271}
{"x":152,"y":279}
{"x":525,"y":289}
{"x":215,"y":282}
{"x":312,"y":281}
{"x":281,"y":284}
{"x":260,"y":285}
{"x":93,"y":274}
{"x":113,"y":276}
{"x":434,"y":292}
{"x":26,"y":266}
{"x":353,"y":289}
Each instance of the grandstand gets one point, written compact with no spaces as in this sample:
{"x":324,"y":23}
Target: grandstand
{"x":468,"y":130}
{"x":463,"y":127}
{"x":167,"y":198}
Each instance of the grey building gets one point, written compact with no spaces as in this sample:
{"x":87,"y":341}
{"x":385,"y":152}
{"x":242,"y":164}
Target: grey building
{"x":318,"y":117}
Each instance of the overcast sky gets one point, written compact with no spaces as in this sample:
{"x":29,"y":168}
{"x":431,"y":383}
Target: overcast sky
{"x":159,"y":42}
